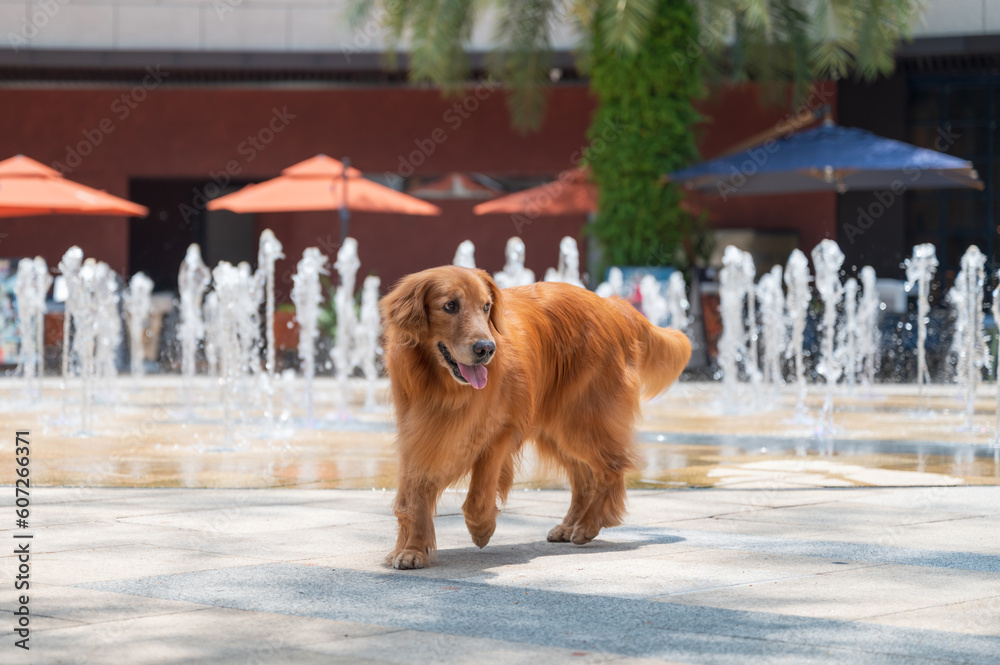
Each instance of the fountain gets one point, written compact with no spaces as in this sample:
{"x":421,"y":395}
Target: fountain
{"x":568,"y":268}
{"x":109,"y":327}
{"x":347,"y":265}
{"x":366,"y":344}
{"x":192,"y":282}
{"x":677,"y":302}
{"x":771,"y":298}
{"x":920,"y":269}
{"x":307,"y":295}
{"x":969,"y":346}
{"x":867,"y":326}
{"x":737,"y":345}
{"x":465,"y":255}
{"x":30,"y":288}
{"x":995,"y":309}
{"x":797,"y":305}
{"x":248,"y":316}
{"x":514,"y":273}
{"x":213,"y":333}
{"x":615,"y":286}
{"x":267,"y":254}
{"x":827,"y":259}
{"x":847,"y":334}
{"x":227,"y":290}
{"x":653,"y":304}
{"x":69,"y":266}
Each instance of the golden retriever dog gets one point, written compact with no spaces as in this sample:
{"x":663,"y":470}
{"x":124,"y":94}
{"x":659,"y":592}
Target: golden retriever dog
{"x":476,"y":372}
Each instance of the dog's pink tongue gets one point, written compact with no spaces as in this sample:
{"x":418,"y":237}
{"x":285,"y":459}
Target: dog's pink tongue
{"x":474,"y":374}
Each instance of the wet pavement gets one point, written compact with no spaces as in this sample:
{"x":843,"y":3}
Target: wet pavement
{"x":693,"y":436}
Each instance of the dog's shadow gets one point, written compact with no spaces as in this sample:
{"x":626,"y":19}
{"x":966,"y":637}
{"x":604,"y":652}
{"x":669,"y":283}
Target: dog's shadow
{"x":474,"y":561}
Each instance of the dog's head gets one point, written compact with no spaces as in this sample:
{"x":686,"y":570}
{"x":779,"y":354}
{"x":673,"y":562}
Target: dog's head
{"x":454,"y":314}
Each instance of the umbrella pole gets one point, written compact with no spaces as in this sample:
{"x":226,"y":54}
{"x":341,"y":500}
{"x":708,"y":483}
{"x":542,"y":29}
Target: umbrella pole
{"x":345,"y":214}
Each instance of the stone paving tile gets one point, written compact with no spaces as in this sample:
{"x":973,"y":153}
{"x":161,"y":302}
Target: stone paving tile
{"x":840,"y":514}
{"x":71,"y":605}
{"x":239,"y":519}
{"x":204,"y":635}
{"x":401,"y":646}
{"x":974,"y":617}
{"x":125,"y":561}
{"x":959,"y":534}
{"x":854,"y":594}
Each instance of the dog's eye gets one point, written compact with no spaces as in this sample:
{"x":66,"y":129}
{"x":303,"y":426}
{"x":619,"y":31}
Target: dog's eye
{"x":451,"y":307}
{"x":486,"y":308}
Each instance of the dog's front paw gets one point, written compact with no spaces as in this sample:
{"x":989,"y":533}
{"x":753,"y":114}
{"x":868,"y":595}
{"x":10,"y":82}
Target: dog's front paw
{"x":408,"y":559}
{"x":560,"y":534}
{"x":481,"y":533}
{"x":583,"y":535}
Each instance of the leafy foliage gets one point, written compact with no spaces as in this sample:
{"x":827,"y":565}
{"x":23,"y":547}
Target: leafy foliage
{"x":640,"y":131}
{"x":796,"y":40}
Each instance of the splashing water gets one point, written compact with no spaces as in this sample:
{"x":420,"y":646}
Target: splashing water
{"x":347,"y":319}
{"x":465,"y":255}
{"x":514,"y":273}
{"x":192,"y":282}
{"x":868,"y":336}
{"x":307,"y":296}
{"x":30,"y":287}
{"x":847,"y":337}
{"x":969,"y":342}
{"x":827,"y":259}
{"x":677,"y":302}
{"x":737,"y":345}
{"x":366,"y":345}
{"x":69,"y":266}
{"x":568,"y":268}
{"x":654,"y":305}
{"x":771,"y":299}
{"x":920,"y":269}
{"x":268,"y":252}
{"x":615,"y":284}
{"x":797,"y":304}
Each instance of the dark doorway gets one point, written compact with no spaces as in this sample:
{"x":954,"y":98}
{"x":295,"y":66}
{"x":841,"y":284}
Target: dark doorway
{"x":178,"y":218}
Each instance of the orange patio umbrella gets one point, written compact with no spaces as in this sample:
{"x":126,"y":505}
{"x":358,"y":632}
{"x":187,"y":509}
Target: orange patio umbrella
{"x":570,"y":193}
{"x":29,"y":188}
{"x":322,"y":183}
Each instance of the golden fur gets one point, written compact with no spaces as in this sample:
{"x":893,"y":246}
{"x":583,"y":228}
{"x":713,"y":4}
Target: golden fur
{"x":567,"y":373}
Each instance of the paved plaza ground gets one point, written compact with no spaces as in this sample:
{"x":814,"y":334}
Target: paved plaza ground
{"x":853,"y":575}
{"x":748,"y":540}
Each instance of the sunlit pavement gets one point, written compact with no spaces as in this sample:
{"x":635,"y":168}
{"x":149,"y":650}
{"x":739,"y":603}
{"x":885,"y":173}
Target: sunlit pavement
{"x":852,"y":575}
{"x":749,"y":539}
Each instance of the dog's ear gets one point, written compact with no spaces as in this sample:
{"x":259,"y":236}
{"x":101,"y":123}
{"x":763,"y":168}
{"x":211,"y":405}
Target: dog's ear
{"x":404,"y":310}
{"x":496,"y":311}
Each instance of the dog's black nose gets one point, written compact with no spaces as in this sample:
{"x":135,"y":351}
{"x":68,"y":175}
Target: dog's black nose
{"x":484,"y":349}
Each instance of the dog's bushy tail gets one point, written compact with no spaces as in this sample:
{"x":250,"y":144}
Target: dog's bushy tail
{"x":665,"y":354}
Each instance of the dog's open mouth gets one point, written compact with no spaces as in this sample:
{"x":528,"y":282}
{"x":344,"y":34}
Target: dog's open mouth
{"x":474,"y":375}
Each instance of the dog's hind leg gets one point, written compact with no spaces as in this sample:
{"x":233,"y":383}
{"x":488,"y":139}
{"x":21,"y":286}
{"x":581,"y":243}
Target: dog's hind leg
{"x":581,"y":482}
{"x":492,"y":472}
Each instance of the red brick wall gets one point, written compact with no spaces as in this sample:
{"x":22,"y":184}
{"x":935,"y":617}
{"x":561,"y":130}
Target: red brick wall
{"x":192,"y":132}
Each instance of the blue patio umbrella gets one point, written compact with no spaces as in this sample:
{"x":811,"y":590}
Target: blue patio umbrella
{"x":829,"y":158}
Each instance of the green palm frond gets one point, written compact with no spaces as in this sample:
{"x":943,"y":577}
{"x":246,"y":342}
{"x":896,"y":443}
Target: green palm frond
{"x":523,"y":58}
{"x":624,"y":23}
